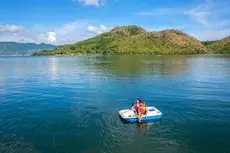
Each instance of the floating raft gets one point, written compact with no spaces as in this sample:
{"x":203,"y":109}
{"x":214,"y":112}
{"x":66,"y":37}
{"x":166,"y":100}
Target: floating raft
{"x":131,"y":116}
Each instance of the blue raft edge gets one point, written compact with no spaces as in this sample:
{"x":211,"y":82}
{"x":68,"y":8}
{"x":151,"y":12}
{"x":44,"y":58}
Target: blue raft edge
{"x":144,"y":119}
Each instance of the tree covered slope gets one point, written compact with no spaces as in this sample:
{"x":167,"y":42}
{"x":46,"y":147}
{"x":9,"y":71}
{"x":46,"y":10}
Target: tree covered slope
{"x":219,"y":46}
{"x":133,"y":40}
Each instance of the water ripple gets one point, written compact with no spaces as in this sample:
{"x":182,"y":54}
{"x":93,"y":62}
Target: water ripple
{"x":71,"y":104}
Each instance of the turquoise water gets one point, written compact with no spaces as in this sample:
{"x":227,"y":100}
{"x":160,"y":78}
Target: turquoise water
{"x":71,"y":104}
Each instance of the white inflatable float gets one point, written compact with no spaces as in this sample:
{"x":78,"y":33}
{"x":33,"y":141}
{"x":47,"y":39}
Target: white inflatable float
{"x":131,"y":116}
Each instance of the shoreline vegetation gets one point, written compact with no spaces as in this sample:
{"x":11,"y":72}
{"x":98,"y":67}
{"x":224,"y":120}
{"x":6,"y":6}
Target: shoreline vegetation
{"x":134,"y":40}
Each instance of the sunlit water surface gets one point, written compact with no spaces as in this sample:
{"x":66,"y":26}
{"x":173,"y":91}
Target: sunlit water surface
{"x":71,"y":104}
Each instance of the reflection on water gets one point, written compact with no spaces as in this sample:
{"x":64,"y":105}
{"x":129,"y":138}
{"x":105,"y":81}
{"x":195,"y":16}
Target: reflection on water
{"x":144,"y":127}
{"x":53,"y":63}
{"x":71,"y":104}
{"x":1,"y":82}
{"x":132,"y":65}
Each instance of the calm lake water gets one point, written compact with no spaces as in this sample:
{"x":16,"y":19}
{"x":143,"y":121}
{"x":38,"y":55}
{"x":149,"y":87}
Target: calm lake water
{"x":71,"y":104}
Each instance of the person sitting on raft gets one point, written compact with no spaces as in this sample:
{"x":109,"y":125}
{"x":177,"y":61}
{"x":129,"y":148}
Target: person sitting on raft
{"x":142,"y":111}
{"x":136,"y":106}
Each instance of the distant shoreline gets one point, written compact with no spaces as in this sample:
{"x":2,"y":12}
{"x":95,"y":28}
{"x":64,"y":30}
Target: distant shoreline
{"x":92,"y":55}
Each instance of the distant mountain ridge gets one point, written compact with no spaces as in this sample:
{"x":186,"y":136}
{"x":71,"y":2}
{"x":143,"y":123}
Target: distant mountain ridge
{"x":14,"y":48}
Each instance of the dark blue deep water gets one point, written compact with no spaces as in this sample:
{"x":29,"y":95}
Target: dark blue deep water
{"x":71,"y":104}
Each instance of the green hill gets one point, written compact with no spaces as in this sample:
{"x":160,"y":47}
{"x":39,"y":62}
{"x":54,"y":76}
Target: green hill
{"x":133,"y":40}
{"x":13,"y":48}
{"x":220,"y":46}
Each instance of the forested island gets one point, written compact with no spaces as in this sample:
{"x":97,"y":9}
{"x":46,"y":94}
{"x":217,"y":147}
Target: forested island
{"x":134,"y":40}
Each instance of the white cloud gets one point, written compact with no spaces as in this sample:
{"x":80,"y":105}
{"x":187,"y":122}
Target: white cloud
{"x":15,"y":29}
{"x":67,"y":28}
{"x":91,"y":2}
{"x":210,"y":13}
{"x":200,"y":14}
{"x":48,"y":37}
{"x":73,"y":31}
{"x":97,"y":30}
{"x":65,"y":34}
{"x":62,"y":34}
{"x":210,"y":34}
{"x":16,"y":38}
{"x":51,"y":37}
{"x":211,"y":20}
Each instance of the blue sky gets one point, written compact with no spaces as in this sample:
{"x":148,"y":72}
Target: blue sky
{"x":68,"y":21}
